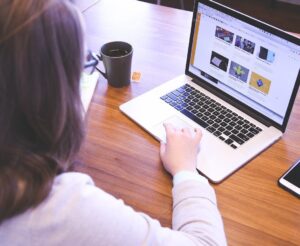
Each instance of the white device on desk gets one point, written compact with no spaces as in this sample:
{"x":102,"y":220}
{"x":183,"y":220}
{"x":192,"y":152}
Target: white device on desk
{"x":290,"y":180}
{"x":88,"y":84}
{"x":239,"y":86}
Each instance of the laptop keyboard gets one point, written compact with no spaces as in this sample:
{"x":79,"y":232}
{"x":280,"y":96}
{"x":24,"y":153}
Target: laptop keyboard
{"x":223,"y":123}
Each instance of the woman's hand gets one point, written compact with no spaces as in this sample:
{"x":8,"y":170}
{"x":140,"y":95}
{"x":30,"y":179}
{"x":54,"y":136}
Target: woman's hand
{"x":180,"y":151}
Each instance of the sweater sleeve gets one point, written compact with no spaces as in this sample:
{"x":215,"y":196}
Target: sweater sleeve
{"x":196,"y":214}
{"x":91,"y":216}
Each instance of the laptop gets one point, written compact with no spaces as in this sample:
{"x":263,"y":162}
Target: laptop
{"x":240,"y":83}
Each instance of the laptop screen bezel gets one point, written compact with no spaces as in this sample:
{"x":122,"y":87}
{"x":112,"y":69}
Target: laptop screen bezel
{"x":226,"y":97}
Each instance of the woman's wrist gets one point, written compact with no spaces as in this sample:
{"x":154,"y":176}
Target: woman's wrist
{"x":185,"y":175}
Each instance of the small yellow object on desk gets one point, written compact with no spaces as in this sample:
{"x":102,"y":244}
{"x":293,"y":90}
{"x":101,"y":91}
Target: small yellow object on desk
{"x":136,"y":76}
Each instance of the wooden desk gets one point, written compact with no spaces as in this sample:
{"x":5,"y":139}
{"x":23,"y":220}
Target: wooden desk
{"x":124,"y":160}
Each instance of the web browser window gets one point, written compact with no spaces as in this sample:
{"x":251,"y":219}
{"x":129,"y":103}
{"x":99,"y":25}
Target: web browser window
{"x":248,"y":63}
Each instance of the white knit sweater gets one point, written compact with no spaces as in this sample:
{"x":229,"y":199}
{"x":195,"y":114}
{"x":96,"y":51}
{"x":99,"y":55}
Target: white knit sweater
{"x":78,"y":213}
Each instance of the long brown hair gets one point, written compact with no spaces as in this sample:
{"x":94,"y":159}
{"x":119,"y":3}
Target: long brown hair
{"x":41,"y":58}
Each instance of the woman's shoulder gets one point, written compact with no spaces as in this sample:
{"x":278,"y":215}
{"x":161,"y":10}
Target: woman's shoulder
{"x":74,"y":203}
{"x":74,"y":190}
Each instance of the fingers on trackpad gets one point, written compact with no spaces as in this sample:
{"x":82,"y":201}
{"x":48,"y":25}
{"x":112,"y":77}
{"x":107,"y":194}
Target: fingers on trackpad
{"x":177,"y":122}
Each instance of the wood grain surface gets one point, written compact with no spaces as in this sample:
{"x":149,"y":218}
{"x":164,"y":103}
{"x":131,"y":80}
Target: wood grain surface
{"x":124,"y":160}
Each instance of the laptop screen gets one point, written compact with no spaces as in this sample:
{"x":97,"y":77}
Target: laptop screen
{"x":251,"y":64}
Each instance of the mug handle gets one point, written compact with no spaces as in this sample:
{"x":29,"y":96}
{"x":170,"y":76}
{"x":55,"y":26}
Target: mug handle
{"x":100,"y":59}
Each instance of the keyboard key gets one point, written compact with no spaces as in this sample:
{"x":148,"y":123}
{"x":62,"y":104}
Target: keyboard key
{"x":223,"y":124}
{"x":233,"y":146}
{"x":184,"y":105}
{"x":193,"y":117}
{"x":234,"y":131}
{"x":222,"y":138}
{"x":236,"y":139}
{"x":243,"y":137}
{"x":238,"y":127}
{"x":172,"y":96}
{"x":179,"y":107}
{"x":240,"y":122}
{"x":215,"y":125}
{"x":232,"y":123}
{"x":210,"y":122}
{"x":253,"y":130}
{"x":199,"y":115}
{"x":168,"y":100}
{"x":181,"y":89}
{"x":210,"y":129}
{"x":244,"y":131}
{"x":221,"y":129}
{"x":258,"y":129}
{"x":229,"y":128}
{"x":229,"y":141}
{"x":246,"y":126}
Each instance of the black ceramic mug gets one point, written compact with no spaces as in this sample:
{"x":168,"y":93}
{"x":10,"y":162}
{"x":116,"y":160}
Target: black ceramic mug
{"x":116,"y":57}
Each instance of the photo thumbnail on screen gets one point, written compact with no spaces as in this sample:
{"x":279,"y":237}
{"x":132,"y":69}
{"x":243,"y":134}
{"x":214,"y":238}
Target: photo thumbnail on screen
{"x":223,"y":34}
{"x":266,"y":54}
{"x":219,"y":61}
{"x":260,"y":83}
{"x":244,"y":44}
{"x":238,"y":71}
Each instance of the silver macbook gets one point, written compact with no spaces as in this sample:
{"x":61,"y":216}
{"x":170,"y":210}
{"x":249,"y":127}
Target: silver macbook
{"x":239,"y":86}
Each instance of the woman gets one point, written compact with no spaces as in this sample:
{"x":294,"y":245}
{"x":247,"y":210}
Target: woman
{"x":41,"y":201}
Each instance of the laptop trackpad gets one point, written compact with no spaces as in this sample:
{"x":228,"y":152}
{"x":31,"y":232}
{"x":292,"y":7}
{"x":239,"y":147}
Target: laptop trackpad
{"x":177,"y":122}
